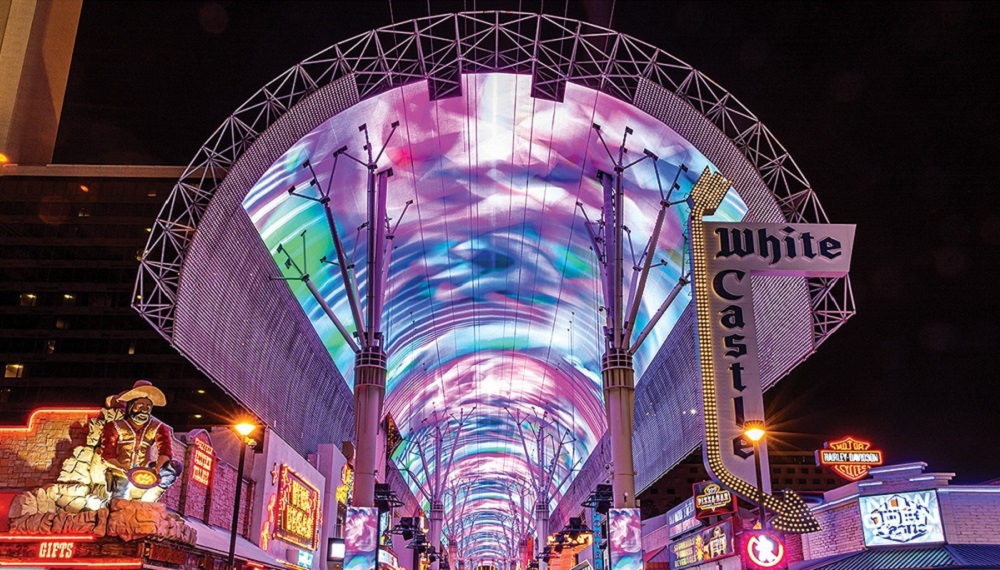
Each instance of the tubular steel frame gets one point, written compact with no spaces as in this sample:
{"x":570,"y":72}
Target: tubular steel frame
{"x":439,"y":49}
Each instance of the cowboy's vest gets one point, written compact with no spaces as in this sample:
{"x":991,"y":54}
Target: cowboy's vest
{"x":133,"y":445}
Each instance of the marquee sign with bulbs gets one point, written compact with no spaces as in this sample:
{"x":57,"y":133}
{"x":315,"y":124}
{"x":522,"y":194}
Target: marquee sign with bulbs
{"x":725,"y":257}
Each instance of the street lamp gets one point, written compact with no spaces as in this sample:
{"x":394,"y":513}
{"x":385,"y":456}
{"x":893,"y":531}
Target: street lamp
{"x":244,"y":429}
{"x":755,"y":432}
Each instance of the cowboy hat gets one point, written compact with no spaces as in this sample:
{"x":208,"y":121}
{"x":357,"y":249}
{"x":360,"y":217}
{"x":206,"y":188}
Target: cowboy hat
{"x":144,"y":389}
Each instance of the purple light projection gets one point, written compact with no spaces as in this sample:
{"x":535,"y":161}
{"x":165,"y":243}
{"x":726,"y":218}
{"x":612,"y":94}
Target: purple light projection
{"x":492,"y":299}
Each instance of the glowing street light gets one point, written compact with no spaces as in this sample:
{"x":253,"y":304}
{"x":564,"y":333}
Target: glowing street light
{"x":754,"y":431}
{"x":244,"y":429}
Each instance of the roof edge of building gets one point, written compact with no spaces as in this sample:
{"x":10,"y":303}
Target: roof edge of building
{"x":94,"y":170}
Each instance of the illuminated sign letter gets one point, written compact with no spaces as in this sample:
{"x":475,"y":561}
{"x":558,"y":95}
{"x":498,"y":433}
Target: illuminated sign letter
{"x":56,"y":549}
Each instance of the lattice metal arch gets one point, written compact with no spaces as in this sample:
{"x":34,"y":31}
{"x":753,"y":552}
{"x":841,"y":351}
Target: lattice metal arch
{"x":438,"y":49}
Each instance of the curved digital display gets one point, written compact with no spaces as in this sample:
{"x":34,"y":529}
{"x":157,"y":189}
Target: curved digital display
{"x":493,"y":301}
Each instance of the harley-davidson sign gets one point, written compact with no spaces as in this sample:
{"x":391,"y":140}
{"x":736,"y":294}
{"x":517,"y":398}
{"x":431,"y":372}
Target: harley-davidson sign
{"x":850,"y":458}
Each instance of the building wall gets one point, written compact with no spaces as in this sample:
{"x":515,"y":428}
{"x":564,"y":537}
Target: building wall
{"x":971,"y":517}
{"x":69,"y":241}
{"x":31,"y":456}
{"x":840,"y":534}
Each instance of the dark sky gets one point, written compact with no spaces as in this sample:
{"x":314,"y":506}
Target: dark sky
{"x":889,"y":109}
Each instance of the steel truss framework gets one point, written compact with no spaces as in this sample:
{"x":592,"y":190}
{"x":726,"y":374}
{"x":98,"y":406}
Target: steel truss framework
{"x":438,"y":49}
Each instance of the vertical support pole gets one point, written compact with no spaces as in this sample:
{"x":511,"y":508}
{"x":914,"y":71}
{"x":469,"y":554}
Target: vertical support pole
{"x":619,"y":269}
{"x":369,"y":393}
{"x":376,"y":255}
{"x":610,"y":253}
{"x":437,"y":507}
{"x":761,"y":512}
{"x":541,"y":529}
{"x":236,"y":503}
{"x":619,"y":406}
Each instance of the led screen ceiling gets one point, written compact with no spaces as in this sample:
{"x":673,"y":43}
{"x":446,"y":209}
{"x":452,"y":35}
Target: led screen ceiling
{"x":493,"y":304}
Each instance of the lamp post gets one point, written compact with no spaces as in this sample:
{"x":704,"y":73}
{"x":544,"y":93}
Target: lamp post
{"x":754,"y":431}
{"x":244,"y":430}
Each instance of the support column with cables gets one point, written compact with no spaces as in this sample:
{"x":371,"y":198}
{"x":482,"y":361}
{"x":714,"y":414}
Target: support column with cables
{"x":367,"y":340}
{"x":621,"y":306}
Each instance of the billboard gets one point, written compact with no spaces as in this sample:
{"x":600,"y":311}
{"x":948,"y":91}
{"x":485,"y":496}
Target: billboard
{"x":360,"y":538}
{"x":901,"y":518}
{"x":625,"y":538}
{"x":708,"y":544}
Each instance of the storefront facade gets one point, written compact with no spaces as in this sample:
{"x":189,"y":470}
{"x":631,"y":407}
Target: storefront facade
{"x":55,"y":512}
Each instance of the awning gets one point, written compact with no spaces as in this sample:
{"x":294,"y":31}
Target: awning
{"x":654,"y":555}
{"x":217,"y":540}
{"x":947,"y":556}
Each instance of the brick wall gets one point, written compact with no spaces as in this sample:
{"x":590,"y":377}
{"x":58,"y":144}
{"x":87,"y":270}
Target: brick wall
{"x":841,"y":532}
{"x":971,"y":517}
{"x":223,"y":496}
{"x":32,"y":455}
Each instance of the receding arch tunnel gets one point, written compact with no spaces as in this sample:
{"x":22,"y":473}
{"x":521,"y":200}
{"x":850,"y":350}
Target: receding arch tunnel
{"x":493,"y":305}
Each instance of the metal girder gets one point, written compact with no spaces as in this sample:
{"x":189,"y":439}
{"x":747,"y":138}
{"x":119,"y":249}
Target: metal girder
{"x":439,"y":49}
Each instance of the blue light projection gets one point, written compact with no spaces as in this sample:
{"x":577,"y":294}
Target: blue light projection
{"x":493,"y":293}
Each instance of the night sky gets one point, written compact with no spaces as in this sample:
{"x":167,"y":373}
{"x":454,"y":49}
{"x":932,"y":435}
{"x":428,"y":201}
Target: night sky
{"x":889,"y":109}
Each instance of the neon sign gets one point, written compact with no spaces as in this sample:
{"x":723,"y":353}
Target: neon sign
{"x":62,"y":551}
{"x":763,"y":549}
{"x":202,"y":461}
{"x":725,"y":256}
{"x":298,"y":510}
{"x":850,"y":458}
{"x":56,"y":549}
{"x":711,"y":500}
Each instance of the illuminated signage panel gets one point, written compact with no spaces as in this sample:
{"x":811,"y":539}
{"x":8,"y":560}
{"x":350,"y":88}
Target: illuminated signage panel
{"x":850,"y":458}
{"x":335,"y":549}
{"x":360,"y":538}
{"x":305,"y":559}
{"x":711,"y":500}
{"x":202,"y":462}
{"x":685,"y":552}
{"x":708,"y":544}
{"x":681,"y":519}
{"x":625,"y":538}
{"x":901,"y":518}
{"x":763,"y":550}
{"x":56,"y":549}
{"x":298,"y":510}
